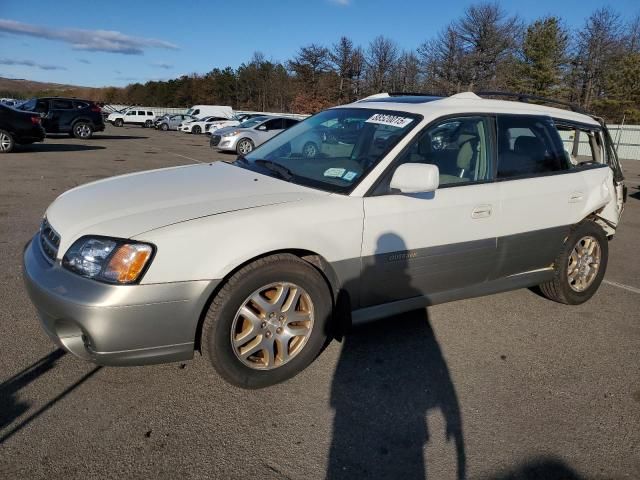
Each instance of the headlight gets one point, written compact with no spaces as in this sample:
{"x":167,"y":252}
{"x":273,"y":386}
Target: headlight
{"x":107,"y":259}
{"x":231,"y":134}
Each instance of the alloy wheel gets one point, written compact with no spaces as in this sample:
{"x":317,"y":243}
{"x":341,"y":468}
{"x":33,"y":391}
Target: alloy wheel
{"x":584,"y":263}
{"x":245,"y":147}
{"x":5,"y":142}
{"x":272,"y":326}
{"x":83,"y":130}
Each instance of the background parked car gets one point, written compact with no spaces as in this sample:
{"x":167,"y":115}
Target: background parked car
{"x":250,"y":134}
{"x":17,"y":127}
{"x":133,"y":116}
{"x":79,"y":118}
{"x":172,"y":122}
{"x":198,"y":126}
{"x":209,"y":128}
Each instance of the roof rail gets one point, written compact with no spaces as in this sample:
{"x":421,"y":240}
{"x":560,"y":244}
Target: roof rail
{"x":415,"y":94}
{"x":526,"y":98}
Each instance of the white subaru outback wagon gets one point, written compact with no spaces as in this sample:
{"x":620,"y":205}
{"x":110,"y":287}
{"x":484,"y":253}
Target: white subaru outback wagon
{"x":407,"y":201}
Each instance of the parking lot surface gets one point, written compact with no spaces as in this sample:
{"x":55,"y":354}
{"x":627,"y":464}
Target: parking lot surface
{"x":503,"y":387}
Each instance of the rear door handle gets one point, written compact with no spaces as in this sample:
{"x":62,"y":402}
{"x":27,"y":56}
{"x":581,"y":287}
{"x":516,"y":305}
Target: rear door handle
{"x":576,"y":197}
{"x":481,"y":211}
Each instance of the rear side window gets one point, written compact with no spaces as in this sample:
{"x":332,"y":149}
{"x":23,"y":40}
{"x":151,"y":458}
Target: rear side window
{"x":528,"y":146}
{"x":61,"y":104}
{"x":140,"y":112}
{"x":582,"y":146}
{"x":289,"y":122}
{"x":150,"y":114}
{"x":80,"y":105}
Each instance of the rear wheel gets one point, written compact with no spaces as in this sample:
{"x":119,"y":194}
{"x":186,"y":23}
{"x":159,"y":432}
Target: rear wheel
{"x":310,"y":150}
{"x":7,"y":143}
{"x":244,"y":146}
{"x":164,"y":127}
{"x":580,"y":265}
{"x":268,"y":322}
{"x":119,"y":122}
{"x":148,"y":124}
{"x":196,"y":130}
{"x":82,"y":130}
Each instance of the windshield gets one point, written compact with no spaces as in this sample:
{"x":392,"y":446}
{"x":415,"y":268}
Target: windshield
{"x":29,"y":105}
{"x":252,"y":122}
{"x":332,"y":150}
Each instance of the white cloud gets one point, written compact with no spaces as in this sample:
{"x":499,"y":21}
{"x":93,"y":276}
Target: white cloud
{"x":90,"y":40}
{"x":342,"y":3}
{"x":29,"y":63}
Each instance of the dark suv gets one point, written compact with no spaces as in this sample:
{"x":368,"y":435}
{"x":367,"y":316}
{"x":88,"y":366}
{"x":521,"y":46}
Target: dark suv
{"x":78,"y":118}
{"x":18,"y":128}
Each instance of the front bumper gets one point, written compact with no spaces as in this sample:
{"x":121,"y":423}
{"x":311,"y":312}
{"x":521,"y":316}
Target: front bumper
{"x":228,"y":143}
{"x":114,"y":324}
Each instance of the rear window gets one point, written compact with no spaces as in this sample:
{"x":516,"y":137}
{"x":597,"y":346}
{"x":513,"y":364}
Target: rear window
{"x":528,"y":146}
{"x":59,"y":104}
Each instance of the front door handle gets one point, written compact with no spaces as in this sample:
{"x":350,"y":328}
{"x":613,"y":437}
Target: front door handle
{"x":576,"y":197}
{"x":481,"y":211}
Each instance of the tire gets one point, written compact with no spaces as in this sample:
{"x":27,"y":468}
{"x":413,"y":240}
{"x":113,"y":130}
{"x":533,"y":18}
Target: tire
{"x":196,"y":130}
{"x":82,"y":130}
{"x":244,"y":146}
{"x":148,"y":124}
{"x":7,"y":142}
{"x":119,"y":122}
{"x":568,"y":285}
{"x":310,"y":150}
{"x":164,"y":127}
{"x":223,"y":320}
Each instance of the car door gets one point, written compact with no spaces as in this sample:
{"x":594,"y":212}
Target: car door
{"x":131,"y":117}
{"x":60,"y":113}
{"x":42,"y":107}
{"x":539,"y":194}
{"x":424,"y":244}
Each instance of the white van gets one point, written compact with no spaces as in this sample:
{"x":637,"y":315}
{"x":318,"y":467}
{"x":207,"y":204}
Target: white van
{"x":201,"y":111}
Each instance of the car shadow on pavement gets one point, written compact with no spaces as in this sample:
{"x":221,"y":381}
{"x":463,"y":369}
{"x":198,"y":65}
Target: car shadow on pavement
{"x":543,"y":468}
{"x":99,"y":136}
{"x":56,"y":147}
{"x":390,"y":375}
{"x":11,"y":408}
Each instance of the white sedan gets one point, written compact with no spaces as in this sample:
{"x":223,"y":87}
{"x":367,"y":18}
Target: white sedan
{"x":198,"y":126}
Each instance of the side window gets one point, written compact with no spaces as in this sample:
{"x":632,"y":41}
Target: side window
{"x":581,"y":146}
{"x":79,"y":105}
{"x":150,"y":114}
{"x":61,"y":104}
{"x":140,"y":112}
{"x":459,"y":147}
{"x":528,"y":146}
{"x":42,"y":106}
{"x":275,"y":124}
{"x":195,"y":112}
{"x":130,"y":113}
{"x":289,"y":122}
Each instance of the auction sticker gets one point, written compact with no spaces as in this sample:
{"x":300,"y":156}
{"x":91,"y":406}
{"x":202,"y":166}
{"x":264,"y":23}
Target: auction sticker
{"x":334,"y":172}
{"x":390,"y":120}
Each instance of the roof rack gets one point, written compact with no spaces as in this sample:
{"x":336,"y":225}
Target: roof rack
{"x":526,"y":98}
{"x":414,"y":94}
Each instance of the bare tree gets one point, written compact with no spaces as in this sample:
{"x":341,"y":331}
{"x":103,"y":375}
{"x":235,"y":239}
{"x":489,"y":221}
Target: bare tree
{"x":442,"y":61}
{"x":488,"y":38}
{"x":382,"y":54}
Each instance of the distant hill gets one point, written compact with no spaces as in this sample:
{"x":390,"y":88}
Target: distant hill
{"x":18,"y":87}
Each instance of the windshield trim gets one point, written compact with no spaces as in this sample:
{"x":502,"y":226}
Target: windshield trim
{"x":329,"y":187}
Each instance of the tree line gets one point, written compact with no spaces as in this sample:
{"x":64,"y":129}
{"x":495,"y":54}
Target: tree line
{"x":595,"y":66}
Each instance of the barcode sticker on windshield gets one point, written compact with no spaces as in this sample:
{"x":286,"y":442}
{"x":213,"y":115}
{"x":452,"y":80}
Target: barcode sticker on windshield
{"x":334,"y":172}
{"x":390,"y":120}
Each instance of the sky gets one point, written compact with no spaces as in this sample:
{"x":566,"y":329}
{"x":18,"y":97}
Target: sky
{"x":113,"y":42}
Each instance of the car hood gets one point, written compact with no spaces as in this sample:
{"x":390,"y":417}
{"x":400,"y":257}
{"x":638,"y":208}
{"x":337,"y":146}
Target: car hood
{"x":132,"y":204}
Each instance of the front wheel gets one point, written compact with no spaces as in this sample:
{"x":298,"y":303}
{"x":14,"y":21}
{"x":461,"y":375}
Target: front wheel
{"x":268,"y":322}
{"x":244,"y":146}
{"x":164,"y":127}
{"x":580,"y":265}
{"x":119,"y":122}
{"x":148,"y":124}
{"x":82,"y":130}
{"x":196,"y":130}
{"x":7,"y":143}
{"x":310,"y":150}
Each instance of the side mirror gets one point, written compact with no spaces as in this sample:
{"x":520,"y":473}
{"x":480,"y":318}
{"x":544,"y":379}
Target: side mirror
{"x":416,"y":178}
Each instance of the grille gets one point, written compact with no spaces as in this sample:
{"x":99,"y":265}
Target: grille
{"x":49,"y":240}
{"x":215,"y":140}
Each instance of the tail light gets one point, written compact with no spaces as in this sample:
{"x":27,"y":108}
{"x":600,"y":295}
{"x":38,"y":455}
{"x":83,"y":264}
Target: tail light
{"x":95,"y":108}
{"x":36,"y":120}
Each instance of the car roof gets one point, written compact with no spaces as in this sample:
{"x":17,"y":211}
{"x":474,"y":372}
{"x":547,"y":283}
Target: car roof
{"x":432,"y":106}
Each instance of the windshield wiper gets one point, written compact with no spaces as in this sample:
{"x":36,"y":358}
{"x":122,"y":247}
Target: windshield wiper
{"x":282,"y":171}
